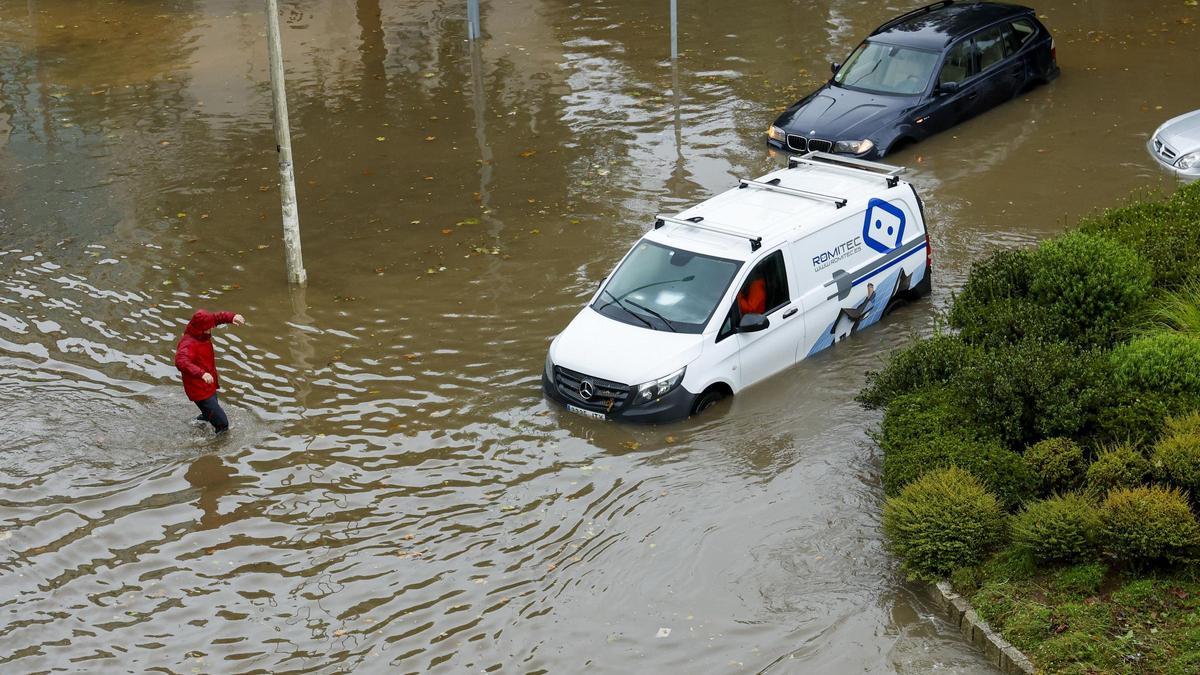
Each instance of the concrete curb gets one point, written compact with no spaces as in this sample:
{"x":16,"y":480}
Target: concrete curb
{"x":959,"y":612}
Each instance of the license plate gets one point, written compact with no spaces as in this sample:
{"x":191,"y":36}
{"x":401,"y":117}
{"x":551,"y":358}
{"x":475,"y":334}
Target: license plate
{"x":586,"y":413}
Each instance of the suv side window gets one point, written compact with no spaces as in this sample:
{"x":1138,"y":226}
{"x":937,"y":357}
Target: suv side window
{"x":1022,"y":30}
{"x":990,"y":45}
{"x":959,"y":63}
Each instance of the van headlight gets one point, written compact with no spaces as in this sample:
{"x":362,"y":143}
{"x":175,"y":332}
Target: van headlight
{"x":854,"y":147}
{"x":776,"y":134}
{"x":658,"y":388}
{"x":548,"y":369}
{"x":1189,"y":161}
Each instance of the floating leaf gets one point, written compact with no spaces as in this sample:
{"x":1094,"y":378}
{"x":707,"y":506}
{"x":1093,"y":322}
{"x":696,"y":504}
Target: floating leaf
{"x":381,"y":138}
{"x":529,"y":153}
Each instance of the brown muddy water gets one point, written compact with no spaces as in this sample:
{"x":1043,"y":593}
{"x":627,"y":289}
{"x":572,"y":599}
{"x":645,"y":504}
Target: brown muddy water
{"x":396,"y":496}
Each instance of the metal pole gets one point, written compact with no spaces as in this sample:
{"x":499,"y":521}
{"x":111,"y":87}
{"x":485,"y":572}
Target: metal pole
{"x":473,"y":29}
{"x":283,"y":145}
{"x":674,"y":31}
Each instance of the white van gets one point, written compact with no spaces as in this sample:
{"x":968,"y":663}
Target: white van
{"x":742,"y":286}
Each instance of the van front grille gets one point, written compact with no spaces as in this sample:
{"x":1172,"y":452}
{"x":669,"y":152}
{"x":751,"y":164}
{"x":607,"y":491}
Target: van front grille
{"x":606,"y":394}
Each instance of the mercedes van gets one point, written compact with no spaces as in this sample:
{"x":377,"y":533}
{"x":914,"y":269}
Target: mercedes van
{"x":742,"y":286}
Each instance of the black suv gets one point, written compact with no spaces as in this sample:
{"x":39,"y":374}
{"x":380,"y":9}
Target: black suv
{"x":918,"y":74}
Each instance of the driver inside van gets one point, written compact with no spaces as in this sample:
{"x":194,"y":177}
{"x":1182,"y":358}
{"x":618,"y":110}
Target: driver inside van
{"x":752,"y":299}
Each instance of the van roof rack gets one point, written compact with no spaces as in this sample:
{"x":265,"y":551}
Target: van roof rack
{"x":889,"y":172}
{"x":909,"y":15}
{"x":695,"y":221}
{"x":774,"y":186}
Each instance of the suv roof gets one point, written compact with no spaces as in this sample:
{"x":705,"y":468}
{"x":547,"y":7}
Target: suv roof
{"x":740,"y":216}
{"x":935,"y":26}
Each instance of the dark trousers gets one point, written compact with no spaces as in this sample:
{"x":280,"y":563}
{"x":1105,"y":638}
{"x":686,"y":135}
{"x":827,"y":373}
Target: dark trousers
{"x":211,"y":412}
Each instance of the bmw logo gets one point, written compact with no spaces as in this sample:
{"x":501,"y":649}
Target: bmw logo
{"x":587,"y":389}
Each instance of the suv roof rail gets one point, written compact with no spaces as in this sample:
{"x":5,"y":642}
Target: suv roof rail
{"x":774,"y":186}
{"x":889,"y":172}
{"x":694,"y":221}
{"x":914,"y":13}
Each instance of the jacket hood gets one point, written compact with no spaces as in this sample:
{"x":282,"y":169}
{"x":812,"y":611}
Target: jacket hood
{"x":841,"y":114}
{"x":202,"y":322}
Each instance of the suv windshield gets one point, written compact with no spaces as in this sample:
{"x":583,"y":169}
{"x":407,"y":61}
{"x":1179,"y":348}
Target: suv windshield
{"x":887,"y":69}
{"x":666,"y":288}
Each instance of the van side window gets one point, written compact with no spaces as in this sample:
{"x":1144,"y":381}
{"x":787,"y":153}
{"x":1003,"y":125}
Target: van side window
{"x":959,"y":63}
{"x":765,"y":289}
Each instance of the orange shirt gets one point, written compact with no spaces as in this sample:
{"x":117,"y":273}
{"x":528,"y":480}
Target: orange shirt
{"x":753,"y":298}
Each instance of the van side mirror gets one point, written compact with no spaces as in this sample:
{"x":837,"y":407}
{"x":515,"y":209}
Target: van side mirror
{"x":752,"y":323}
{"x":834,"y":67}
{"x":946,"y":88}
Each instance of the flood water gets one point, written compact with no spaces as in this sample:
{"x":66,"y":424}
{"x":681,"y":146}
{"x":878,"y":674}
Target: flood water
{"x":395,"y":495}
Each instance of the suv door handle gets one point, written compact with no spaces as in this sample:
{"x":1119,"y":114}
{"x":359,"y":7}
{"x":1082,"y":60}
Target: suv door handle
{"x":790,"y":312}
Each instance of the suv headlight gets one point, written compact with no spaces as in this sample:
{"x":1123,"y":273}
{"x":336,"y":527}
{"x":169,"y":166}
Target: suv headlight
{"x":854,"y":147}
{"x":1189,"y":161}
{"x":776,"y":134}
{"x":658,"y":388}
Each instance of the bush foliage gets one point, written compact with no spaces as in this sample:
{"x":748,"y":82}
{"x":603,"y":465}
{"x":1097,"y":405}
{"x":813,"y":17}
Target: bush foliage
{"x":1059,"y":529}
{"x":944,"y":520}
{"x":1144,"y":526}
{"x":1057,"y":463}
{"x":928,"y":362}
{"x":1118,"y":467}
{"x":927,"y":430}
{"x":1176,"y":458}
{"x":1165,"y":362}
{"x":1161,"y":232}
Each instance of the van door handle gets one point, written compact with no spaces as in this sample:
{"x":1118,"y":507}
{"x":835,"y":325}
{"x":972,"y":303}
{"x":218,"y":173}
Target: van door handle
{"x":790,"y":312}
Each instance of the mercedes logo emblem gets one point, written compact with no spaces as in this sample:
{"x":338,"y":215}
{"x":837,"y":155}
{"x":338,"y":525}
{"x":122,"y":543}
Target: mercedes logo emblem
{"x":587,"y":389}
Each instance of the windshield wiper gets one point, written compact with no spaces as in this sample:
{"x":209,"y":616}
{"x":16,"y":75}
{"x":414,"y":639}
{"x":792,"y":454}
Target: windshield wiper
{"x":643,"y":287}
{"x":860,"y":78}
{"x":654,"y":313}
{"x":632,"y":313}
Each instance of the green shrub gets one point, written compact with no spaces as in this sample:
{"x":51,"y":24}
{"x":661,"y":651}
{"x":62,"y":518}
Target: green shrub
{"x":1163,"y":233}
{"x":1026,"y":392}
{"x":1121,"y":466}
{"x":1184,"y":424}
{"x":928,"y":430}
{"x":927,"y":362}
{"x":1092,"y":286}
{"x":944,"y":520}
{"x":1163,"y":362}
{"x":1133,"y":417}
{"x":1083,"y":580}
{"x":1059,"y":529}
{"x":1147,"y":525}
{"x":993,"y":307}
{"x":1176,"y":458}
{"x":1058,"y":464}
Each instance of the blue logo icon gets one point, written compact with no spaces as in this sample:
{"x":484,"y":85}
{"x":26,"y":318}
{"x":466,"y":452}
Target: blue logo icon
{"x":883,"y":229}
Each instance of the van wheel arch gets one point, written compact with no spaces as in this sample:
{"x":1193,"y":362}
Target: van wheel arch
{"x":710,"y":396}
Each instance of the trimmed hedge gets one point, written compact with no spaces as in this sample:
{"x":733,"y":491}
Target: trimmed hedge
{"x":1059,"y":529}
{"x":1119,"y":467}
{"x":926,"y":362}
{"x":1026,"y":392}
{"x":1165,"y":362}
{"x":927,"y":430}
{"x":1058,"y":464}
{"x":1092,"y":286}
{"x":944,"y":520}
{"x":993,"y":307}
{"x":1161,"y":232}
{"x":1176,"y":458}
{"x":1149,"y":525}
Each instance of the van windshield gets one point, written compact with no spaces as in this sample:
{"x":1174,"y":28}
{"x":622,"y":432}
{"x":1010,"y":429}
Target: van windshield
{"x":666,"y":288}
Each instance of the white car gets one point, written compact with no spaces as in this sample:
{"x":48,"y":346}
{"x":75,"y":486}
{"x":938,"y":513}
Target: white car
{"x":742,"y":286}
{"x":1176,"y":145}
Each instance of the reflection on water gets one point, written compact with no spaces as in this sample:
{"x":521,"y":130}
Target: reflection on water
{"x":395,"y":494}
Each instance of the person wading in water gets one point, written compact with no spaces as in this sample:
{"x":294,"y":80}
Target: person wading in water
{"x":198,"y":368}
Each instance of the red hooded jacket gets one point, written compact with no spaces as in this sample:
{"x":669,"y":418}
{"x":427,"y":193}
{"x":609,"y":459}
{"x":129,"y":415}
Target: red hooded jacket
{"x":194,"y":354}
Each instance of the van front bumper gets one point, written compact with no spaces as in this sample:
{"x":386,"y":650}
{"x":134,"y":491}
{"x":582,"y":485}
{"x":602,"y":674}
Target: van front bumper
{"x":675,"y":406}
